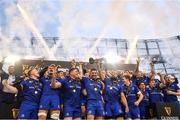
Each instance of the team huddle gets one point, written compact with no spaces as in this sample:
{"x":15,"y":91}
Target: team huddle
{"x":93,"y":94}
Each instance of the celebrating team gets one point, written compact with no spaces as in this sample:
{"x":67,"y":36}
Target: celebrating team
{"x":93,"y":94}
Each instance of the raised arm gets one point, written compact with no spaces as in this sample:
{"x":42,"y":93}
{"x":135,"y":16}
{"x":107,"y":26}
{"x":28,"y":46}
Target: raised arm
{"x":73,"y":63}
{"x":108,"y":73}
{"x":152,"y":68}
{"x":102,"y":77}
{"x":81,"y":70}
{"x":161,"y":78}
{"x":137,"y":66}
{"x":152,"y":71}
{"x":54,"y":83}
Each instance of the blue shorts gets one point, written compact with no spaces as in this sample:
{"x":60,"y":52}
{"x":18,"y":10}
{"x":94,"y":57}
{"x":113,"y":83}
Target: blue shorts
{"x":95,"y":108}
{"x":49,"y":102}
{"x":113,"y":109}
{"x":70,"y":111}
{"x":134,"y":112}
{"x":143,"y":111}
{"x":28,"y":111}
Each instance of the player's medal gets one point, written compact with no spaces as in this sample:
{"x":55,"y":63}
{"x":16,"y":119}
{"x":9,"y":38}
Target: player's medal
{"x":95,"y":89}
{"x":74,"y":90}
{"x":36,"y":92}
{"x":111,"y":88}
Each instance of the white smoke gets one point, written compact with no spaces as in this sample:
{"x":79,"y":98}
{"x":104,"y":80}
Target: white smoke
{"x":91,"y":19}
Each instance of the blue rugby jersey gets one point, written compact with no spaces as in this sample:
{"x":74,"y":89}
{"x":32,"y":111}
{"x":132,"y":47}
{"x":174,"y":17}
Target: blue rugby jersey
{"x":93,"y":88}
{"x":47,"y":90}
{"x":131,"y":93}
{"x":112,"y":90}
{"x":145,"y":100}
{"x":32,"y":90}
{"x":155,"y":94}
{"x":171,"y":87}
{"x":71,"y":90}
